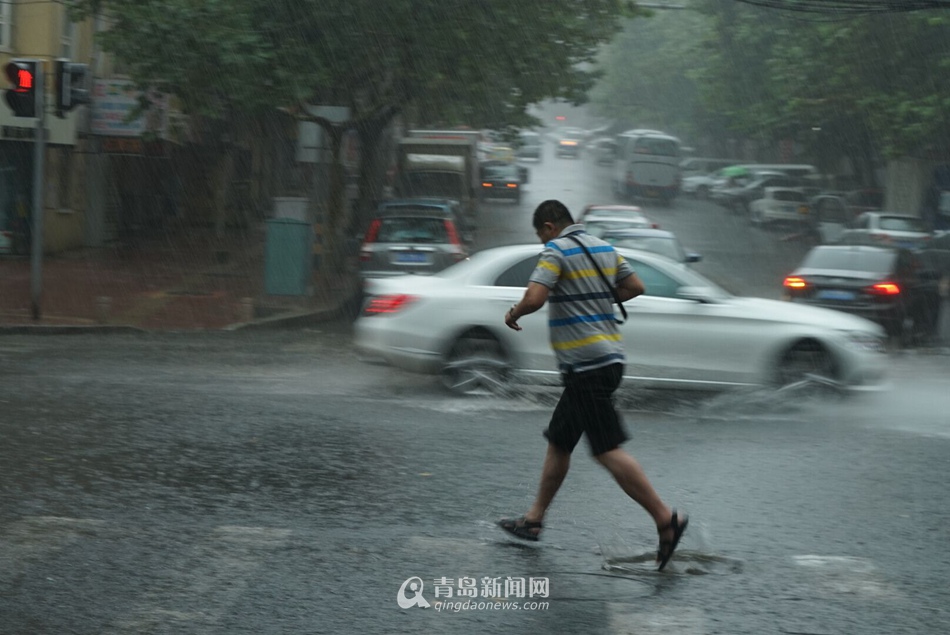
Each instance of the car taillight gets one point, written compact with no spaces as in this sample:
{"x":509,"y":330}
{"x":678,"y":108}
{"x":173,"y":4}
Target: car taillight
{"x":388,"y":304}
{"x":373,"y":231}
{"x":453,"y":235}
{"x":512,"y":184}
{"x":884,"y":288}
{"x":486,"y":184}
{"x":794,"y":282}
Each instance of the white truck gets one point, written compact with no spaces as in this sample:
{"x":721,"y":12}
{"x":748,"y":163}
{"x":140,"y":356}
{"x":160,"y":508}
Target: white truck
{"x":439,"y":168}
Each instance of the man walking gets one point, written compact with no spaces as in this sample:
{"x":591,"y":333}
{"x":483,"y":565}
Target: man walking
{"x":589,"y":351}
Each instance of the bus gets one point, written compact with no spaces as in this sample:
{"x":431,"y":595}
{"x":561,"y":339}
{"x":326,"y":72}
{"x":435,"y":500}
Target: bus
{"x":647,"y":165}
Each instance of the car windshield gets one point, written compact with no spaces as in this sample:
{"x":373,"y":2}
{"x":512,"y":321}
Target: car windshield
{"x":602,"y":212}
{"x":865,"y":260}
{"x":657,"y":244}
{"x":501,"y":172}
{"x":902,"y":224}
{"x":432,"y":184}
{"x":412,"y":229}
{"x":657,"y":146}
{"x":600,"y":226}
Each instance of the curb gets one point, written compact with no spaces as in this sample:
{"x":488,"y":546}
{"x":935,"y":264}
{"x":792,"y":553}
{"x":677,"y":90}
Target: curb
{"x":66,"y":329}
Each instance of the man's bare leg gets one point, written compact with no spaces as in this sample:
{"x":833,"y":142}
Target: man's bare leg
{"x":633,"y":480}
{"x":556,"y":464}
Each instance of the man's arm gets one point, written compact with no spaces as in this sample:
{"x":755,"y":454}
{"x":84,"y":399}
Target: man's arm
{"x":630,"y":287}
{"x":534,"y":298}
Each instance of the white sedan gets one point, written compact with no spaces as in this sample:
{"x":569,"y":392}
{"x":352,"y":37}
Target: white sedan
{"x":685,"y":332}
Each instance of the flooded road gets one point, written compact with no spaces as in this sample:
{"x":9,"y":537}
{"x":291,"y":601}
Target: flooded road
{"x":273,"y":483}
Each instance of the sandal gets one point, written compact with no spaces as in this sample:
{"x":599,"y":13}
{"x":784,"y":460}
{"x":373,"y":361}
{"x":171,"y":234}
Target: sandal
{"x":667,"y":547}
{"x":522,"y":528}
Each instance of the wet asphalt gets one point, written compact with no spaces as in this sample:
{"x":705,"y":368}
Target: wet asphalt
{"x":274,"y":483}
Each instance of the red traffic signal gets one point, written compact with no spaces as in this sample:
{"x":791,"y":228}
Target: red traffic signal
{"x":22,"y":97}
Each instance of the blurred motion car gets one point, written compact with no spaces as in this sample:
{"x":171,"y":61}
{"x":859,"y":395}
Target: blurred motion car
{"x":604,"y":150}
{"x":892,"y":287}
{"x":658,"y":241}
{"x":684,"y":332}
{"x":887,"y":229}
{"x":569,"y":143}
{"x":699,"y":166}
{"x":615,"y":211}
{"x":780,"y":205}
{"x":413,"y":236}
{"x":529,"y":146}
{"x":501,"y":179}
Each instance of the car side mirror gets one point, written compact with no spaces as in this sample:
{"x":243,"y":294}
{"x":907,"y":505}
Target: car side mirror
{"x":696,"y":294}
{"x":693,"y":257}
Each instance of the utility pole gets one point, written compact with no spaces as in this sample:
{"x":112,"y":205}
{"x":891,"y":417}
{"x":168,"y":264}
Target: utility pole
{"x":39,"y":151}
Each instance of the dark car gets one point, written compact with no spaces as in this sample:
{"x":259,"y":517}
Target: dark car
{"x":658,"y":241}
{"x":502,"y":179}
{"x":422,"y":236}
{"x":893,"y":287}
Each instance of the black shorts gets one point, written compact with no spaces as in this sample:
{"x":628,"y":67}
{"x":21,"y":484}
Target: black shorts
{"x":587,"y":406}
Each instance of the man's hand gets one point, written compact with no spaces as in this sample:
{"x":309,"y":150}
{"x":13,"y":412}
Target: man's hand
{"x":510,"y":320}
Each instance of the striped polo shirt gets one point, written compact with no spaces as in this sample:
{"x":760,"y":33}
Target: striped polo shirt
{"x":583,"y":330}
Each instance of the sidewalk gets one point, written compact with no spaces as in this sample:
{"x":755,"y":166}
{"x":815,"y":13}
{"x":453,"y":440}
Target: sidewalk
{"x":185,"y":281}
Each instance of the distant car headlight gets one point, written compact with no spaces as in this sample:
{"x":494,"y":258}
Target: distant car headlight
{"x":865,"y":341}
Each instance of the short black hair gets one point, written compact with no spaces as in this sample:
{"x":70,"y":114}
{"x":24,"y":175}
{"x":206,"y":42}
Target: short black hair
{"x":551,"y":211}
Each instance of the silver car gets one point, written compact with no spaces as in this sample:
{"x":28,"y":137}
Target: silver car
{"x":421,"y":240}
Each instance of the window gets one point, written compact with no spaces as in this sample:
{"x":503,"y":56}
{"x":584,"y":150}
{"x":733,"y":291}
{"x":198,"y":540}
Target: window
{"x":412,"y":230}
{"x":6,"y":30}
{"x":68,"y":36}
{"x":656,"y":282}
{"x":517,"y":275}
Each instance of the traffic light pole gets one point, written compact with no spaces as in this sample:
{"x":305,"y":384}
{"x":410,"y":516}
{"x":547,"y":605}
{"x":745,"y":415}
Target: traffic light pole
{"x":39,"y":152}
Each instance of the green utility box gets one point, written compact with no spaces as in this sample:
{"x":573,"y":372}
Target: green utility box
{"x":287,"y":256}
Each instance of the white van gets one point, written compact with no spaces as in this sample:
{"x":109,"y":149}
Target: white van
{"x":647,"y":165}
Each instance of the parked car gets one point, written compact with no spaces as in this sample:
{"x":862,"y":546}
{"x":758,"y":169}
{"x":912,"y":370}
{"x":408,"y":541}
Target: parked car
{"x":700,"y":185}
{"x":657,"y":241}
{"x":420,"y":236}
{"x":685,"y":332}
{"x":887,"y":230}
{"x":892,"y":287}
{"x":501,"y":179}
{"x":529,"y":145}
{"x":830,"y":216}
{"x":739,"y":198}
{"x":698,"y":166}
{"x":780,"y":205}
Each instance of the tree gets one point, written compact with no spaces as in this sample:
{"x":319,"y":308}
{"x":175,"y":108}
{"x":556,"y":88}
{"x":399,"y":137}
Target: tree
{"x":477,"y":61}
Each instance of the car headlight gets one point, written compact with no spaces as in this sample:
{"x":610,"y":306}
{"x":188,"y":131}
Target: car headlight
{"x":864,"y":341}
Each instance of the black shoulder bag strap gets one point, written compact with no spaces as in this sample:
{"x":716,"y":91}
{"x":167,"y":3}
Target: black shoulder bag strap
{"x":613,"y":290}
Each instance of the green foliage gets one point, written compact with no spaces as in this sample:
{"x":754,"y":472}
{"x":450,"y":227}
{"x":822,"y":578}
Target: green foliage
{"x":874,"y":83}
{"x":473,"y":61}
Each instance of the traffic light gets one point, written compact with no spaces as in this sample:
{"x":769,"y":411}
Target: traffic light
{"x":71,"y":88}
{"x":21,"y":98}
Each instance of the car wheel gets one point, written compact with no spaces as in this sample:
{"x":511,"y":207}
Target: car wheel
{"x":476,"y":364}
{"x":806,"y":364}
